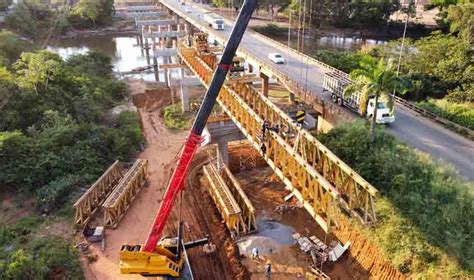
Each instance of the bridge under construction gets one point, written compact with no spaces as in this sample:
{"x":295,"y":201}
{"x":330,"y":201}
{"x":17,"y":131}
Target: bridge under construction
{"x":301,"y":174}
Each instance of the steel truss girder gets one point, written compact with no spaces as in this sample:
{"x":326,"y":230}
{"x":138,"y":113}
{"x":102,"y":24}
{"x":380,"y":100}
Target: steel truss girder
{"x":319,"y":178}
{"x":91,"y":200}
{"x":248,"y":211}
{"x":122,"y":196}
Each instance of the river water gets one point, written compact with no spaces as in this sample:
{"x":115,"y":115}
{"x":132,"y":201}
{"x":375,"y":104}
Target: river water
{"x":126,"y":54}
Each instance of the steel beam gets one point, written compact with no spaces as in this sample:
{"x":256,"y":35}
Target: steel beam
{"x":319,"y":179}
{"x":122,"y":196}
{"x":91,"y":200}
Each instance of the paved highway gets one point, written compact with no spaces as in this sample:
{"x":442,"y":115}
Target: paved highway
{"x":410,"y":128}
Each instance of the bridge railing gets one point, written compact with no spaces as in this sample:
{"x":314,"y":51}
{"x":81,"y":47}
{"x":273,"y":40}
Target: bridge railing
{"x":316,"y":101}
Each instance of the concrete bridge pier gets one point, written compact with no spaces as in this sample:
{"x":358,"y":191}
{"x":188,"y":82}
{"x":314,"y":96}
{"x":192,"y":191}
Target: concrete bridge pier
{"x":221,"y":132}
{"x":188,"y":28}
{"x":264,"y":84}
{"x":155,"y":69}
{"x":147,"y":51}
{"x":183,"y":92}
{"x":166,"y":60}
{"x":222,"y":154}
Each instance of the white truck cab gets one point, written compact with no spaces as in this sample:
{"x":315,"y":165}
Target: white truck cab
{"x":384,"y":115}
{"x":214,"y":21}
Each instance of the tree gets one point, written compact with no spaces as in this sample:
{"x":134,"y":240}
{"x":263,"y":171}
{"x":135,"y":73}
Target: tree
{"x":36,"y":69}
{"x":461,"y":20}
{"x":89,"y":9}
{"x":11,"y":47}
{"x":377,"y":79}
{"x":23,"y":267}
{"x":4,"y":4}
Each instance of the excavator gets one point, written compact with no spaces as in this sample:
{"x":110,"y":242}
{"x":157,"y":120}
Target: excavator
{"x":166,"y":257}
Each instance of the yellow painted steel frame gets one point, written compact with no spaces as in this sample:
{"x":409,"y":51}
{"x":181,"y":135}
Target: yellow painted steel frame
{"x":225,"y":202}
{"x":248,"y":211}
{"x":121,"y":197}
{"x":148,"y":264}
{"x":91,"y":200}
{"x":315,"y":175}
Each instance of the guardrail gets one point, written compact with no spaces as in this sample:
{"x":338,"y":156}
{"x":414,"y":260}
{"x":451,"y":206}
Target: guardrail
{"x":425,"y":113}
{"x":308,"y":96}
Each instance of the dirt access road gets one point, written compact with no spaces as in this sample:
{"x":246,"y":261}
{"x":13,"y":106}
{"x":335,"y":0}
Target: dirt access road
{"x":161,"y":151}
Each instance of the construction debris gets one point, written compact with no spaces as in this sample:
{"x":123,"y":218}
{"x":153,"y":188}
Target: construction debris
{"x":94,"y":235}
{"x":320,"y":252}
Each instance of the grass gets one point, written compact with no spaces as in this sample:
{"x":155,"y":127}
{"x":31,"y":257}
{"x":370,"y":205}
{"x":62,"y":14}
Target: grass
{"x":425,"y":212}
{"x":175,"y":119}
{"x":462,"y":113}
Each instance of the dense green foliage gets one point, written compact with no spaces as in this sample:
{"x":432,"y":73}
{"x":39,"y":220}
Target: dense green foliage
{"x":175,"y":118}
{"x":341,"y":13}
{"x":4,"y":4}
{"x":344,"y":61}
{"x":35,"y":258}
{"x":271,"y":30}
{"x":57,"y":134}
{"x":33,"y":19}
{"x":11,"y":47}
{"x":462,"y":114}
{"x":425,"y":213}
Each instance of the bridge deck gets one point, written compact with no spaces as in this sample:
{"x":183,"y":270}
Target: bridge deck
{"x":305,"y":72}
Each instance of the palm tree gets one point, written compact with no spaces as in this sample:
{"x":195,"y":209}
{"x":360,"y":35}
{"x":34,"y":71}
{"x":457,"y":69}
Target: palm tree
{"x":373,"y":79}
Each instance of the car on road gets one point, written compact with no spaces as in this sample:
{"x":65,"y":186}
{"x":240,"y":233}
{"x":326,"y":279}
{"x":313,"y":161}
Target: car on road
{"x":276,"y":58}
{"x":187,"y":10}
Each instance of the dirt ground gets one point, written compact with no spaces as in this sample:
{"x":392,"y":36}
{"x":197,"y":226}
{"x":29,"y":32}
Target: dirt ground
{"x":266,"y":192}
{"x":200,"y":216}
{"x":199,"y":220}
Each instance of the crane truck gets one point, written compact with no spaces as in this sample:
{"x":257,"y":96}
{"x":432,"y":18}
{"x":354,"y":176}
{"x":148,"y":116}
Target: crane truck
{"x":166,"y":257}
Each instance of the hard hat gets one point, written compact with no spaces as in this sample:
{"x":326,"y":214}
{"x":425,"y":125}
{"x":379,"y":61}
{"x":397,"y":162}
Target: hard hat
{"x":268,"y":262}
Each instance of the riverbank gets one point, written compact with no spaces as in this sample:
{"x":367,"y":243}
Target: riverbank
{"x":388,"y":32}
{"x":118,"y":27}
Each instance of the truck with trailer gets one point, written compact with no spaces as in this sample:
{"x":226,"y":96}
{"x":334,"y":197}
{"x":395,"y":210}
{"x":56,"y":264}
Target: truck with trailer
{"x":336,"y":82}
{"x":214,"y":21}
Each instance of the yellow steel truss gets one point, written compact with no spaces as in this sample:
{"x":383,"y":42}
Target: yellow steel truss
{"x":91,"y":200}
{"x":319,"y":179}
{"x":122,"y":196}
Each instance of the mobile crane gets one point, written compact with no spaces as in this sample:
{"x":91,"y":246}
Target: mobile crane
{"x":161,"y":256}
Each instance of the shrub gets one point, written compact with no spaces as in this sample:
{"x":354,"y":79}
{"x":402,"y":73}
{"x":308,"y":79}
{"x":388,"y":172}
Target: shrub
{"x":174,"y":118}
{"x":425,"y":213}
{"x":270,"y":29}
{"x":462,"y":114}
{"x":55,"y":193}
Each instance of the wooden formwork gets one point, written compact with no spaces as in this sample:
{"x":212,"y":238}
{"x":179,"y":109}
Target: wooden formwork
{"x":317,"y":177}
{"x":122,"y":196}
{"x":91,"y":200}
{"x":248,"y":211}
{"x":224,"y":200}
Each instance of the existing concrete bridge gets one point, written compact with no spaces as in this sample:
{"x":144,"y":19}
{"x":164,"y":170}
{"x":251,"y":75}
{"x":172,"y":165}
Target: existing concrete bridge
{"x":303,"y":76}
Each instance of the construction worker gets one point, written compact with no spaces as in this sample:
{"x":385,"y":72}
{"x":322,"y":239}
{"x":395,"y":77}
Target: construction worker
{"x":268,"y":269}
{"x":300,"y":115}
{"x":265,"y":126}
{"x":255,"y":253}
{"x":263,"y":148}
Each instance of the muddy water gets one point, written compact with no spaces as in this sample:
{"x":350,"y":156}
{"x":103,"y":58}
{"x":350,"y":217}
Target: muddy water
{"x":126,"y":54}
